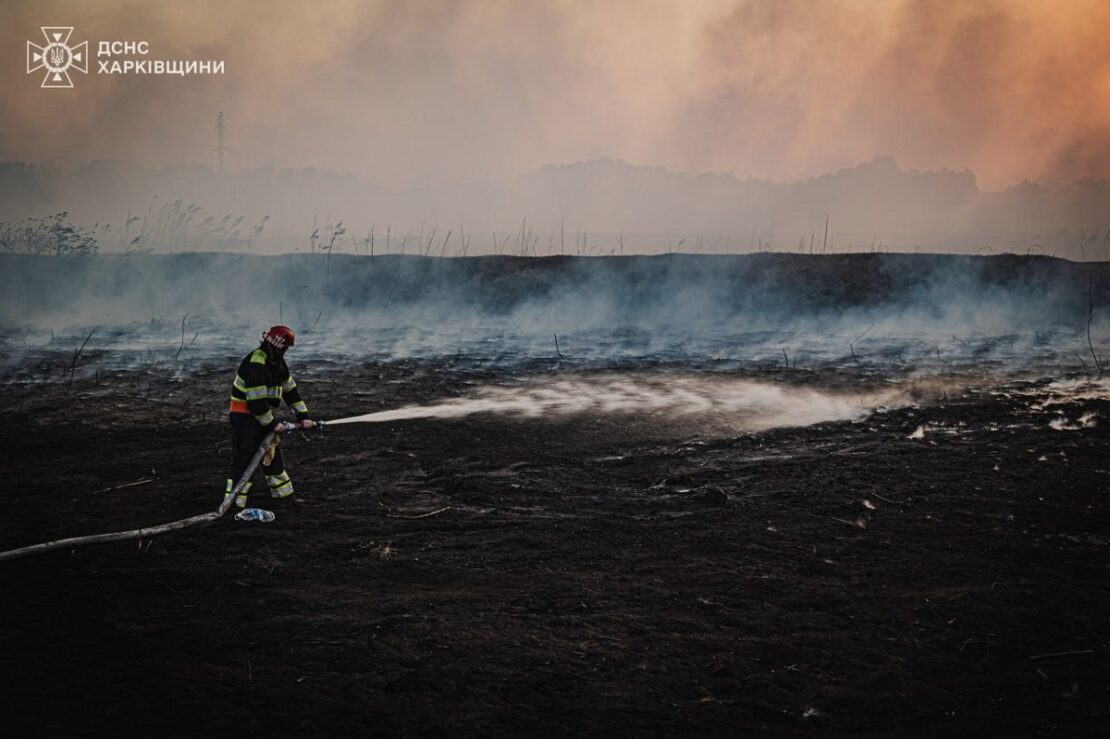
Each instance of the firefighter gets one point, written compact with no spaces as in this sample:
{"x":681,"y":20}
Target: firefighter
{"x":261,"y":382}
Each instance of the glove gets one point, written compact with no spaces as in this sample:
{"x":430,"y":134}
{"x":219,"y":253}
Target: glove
{"x":282,"y":426}
{"x":306,"y":423}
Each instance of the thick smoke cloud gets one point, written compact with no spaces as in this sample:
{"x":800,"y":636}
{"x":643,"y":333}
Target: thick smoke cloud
{"x":462,"y":93}
{"x":1006,"y":89}
{"x":900,"y":309}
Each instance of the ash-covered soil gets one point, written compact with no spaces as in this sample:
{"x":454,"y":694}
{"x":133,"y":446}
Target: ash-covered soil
{"x":602,"y":575}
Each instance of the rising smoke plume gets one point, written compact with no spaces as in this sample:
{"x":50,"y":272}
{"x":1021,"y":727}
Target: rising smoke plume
{"x":464,"y":93}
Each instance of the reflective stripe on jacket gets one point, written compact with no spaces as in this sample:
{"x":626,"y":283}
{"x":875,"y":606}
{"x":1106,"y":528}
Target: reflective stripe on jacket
{"x":260,"y":384}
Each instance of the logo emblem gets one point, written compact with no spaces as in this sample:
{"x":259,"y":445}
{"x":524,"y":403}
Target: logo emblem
{"x":57,"y":57}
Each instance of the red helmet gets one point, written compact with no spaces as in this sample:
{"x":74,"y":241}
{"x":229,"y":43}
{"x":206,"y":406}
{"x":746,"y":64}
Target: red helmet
{"x":279,"y":337}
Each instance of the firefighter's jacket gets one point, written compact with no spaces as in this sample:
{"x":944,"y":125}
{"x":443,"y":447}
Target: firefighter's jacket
{"x":260,"y":384}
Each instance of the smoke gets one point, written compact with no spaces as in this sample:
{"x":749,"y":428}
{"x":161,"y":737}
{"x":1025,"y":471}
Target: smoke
{"x":459,"y":114}
{"x":740,"y":405}
{"x":865,"y":311}
{"x":787,"y":89}
{"x":464,"y":93}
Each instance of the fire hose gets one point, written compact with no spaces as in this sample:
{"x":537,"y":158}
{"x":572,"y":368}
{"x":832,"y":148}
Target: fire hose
{"x":162,"y":528}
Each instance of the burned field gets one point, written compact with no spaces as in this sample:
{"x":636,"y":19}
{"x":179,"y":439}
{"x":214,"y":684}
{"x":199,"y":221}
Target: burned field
{"x":928,"y":557}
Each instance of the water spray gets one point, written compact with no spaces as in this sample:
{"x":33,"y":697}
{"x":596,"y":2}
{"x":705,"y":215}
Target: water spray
{"x":741,"y":405}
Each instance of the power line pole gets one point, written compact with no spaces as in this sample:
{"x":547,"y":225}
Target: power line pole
{"x":220,"y":148}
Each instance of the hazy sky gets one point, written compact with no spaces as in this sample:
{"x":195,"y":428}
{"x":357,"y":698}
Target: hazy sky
{"x":408,"y":91}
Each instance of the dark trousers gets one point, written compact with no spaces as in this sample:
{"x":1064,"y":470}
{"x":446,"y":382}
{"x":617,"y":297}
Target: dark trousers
{"x":246,"y":435}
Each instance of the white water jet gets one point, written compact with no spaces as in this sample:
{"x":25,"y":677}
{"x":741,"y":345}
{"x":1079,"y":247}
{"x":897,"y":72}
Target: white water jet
{"x":743,"y":404}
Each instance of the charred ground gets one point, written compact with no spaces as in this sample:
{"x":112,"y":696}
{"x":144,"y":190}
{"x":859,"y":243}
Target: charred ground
{"x":592,"y":574}
{"x":615,"y":575}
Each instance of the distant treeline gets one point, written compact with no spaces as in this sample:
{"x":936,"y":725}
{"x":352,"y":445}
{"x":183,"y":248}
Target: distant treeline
{"x":585,"y":208}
